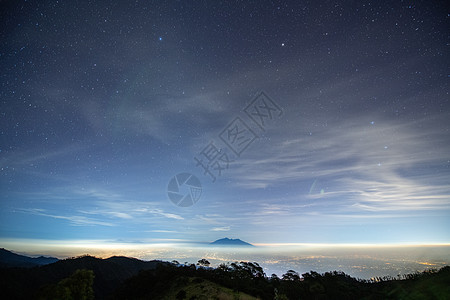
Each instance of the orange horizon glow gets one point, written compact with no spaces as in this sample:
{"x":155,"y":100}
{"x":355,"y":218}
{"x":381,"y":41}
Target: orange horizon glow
{"x":176,"y":243}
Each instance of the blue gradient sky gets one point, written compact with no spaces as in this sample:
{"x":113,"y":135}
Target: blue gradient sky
{"x":102,"y":104}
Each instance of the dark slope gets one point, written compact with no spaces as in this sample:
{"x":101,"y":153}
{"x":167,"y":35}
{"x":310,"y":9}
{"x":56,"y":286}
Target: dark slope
{"x":19,"y":283}
{"x":130,"y":278}
{"x":239,"y":281}
{"x":9,"y":259}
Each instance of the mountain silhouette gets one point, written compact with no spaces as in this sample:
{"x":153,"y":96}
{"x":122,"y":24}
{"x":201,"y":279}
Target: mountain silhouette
{"x":109,"y":273}
{"x":230,"y":242}
{"x":120,"y":277}
{"x":10,"y":259}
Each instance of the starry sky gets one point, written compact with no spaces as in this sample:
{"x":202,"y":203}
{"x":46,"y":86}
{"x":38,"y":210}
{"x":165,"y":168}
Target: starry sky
{"x":338,"y":112}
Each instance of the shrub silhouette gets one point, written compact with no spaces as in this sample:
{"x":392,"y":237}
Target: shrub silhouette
{"x":76,"y":287}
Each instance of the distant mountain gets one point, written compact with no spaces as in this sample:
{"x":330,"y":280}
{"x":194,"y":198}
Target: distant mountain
{"x":10,"y":259}
{"x":230,"y":242}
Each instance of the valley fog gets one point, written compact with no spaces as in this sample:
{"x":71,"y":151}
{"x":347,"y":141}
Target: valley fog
{"x":361,"y":261}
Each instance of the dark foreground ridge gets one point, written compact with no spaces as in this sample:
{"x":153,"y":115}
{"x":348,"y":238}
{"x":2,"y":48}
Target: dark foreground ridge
{"x":231,"y":242}
{"x":88,"y":277}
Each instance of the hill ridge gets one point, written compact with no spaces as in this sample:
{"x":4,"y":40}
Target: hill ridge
{"x":11,"y":259}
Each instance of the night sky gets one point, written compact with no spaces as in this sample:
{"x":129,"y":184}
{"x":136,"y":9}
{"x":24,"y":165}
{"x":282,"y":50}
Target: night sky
{"x":338,"y":113}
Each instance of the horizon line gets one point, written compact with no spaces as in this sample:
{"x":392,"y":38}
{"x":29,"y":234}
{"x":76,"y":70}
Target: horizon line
{"x":108,"y":244}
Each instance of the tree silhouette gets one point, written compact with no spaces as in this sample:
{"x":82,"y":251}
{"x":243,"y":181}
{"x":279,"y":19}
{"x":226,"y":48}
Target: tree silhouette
{"x":203,"y":262}
{"x":78,"y":286}
{"x":291,"y":275}
{"x":274,"y":278}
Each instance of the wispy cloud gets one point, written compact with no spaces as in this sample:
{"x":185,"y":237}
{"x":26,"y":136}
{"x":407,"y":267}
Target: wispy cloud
{"x":115,"y":214}
{"x":114,"y":204}
{"x":75,"y":220}
{"x":160,"y":212}
{"x":100,"y":194}
{"x":225,"y":228}
{"x":164,"y":214}
{"x":370,"y":164}
{"x":99,"y":207}
{"x":35,"y":156}
{"x":154,"y":114}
